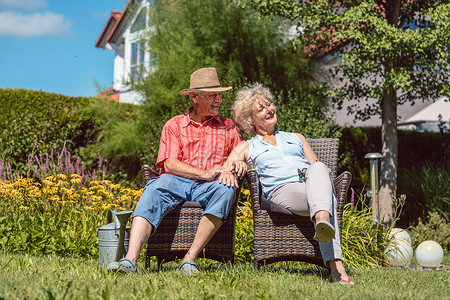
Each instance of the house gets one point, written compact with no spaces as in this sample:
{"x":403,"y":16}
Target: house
{"x":122,"y":33}
{"x":420,"y":116}
{"x":434,"y":117}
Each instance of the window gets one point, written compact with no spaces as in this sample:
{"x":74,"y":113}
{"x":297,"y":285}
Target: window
{"x":141,"y":21}
{"x":137,"y":60}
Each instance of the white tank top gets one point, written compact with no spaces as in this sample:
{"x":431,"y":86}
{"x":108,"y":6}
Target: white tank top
{"x":277,"y":165}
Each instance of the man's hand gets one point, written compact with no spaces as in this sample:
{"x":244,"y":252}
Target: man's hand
{"x":212,"y":173}
{"x":239,"y":167}
{"x":227,"y":178}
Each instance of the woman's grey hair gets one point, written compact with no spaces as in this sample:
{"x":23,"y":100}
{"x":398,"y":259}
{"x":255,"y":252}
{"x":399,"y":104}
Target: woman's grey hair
{"x":242,"y":108}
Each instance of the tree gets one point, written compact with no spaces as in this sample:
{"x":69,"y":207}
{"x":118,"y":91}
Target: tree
{"x":242,"y":45}
{"x":393,"y":51}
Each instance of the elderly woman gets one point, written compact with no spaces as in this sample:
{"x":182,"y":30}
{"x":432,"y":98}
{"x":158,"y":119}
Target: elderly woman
{"x":276,"y":156}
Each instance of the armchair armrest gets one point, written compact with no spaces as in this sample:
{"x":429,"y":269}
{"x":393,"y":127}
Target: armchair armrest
{"x":253,"y":185}
{"x":148,"y":173}
{"x":342,"y":183}
{"x":341,"y":186}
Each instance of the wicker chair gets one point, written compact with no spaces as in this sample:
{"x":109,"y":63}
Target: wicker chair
{"x":176,"y":232}
{"x":282,"y":236}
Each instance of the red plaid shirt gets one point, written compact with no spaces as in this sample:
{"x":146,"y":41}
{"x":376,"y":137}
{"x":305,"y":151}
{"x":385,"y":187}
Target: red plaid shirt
{"x":199,"y":145}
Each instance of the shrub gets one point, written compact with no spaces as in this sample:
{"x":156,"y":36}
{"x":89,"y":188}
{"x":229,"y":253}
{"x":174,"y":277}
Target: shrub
{"x":428,"y":188}
{"x":52,"y":119}
{"x":434,"y":228}
{"x":357,"y":142}
{"x":363,"y":241}
{"x":78,"y":123}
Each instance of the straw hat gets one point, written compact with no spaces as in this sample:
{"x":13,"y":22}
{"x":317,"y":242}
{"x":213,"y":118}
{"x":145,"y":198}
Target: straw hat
{"x":205,"y":79}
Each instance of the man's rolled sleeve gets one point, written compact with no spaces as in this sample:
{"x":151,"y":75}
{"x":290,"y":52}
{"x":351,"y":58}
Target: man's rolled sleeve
{"x":169,"y":146}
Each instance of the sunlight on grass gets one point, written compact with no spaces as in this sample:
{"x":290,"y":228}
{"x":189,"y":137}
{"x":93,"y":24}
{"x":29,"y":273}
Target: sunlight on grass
{"x":37,"y":277}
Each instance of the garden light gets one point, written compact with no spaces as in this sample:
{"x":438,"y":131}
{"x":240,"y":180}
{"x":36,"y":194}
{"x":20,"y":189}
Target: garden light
{"x":374,"y":183}
{"x":399,"y":252}
{"x":429,"y":254}
{"x":400,"y":234}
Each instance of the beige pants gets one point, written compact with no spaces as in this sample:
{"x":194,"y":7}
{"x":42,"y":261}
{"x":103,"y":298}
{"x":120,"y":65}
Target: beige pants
{"x":309,"y":197}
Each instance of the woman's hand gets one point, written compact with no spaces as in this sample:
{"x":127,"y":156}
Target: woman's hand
{"x":227,"y":178}
{"x":239,"y":167}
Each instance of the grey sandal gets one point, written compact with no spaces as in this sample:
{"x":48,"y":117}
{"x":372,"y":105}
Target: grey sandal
{"x":124,"y":265}
{"x":324,"y":232}
{"x":188,"y":268}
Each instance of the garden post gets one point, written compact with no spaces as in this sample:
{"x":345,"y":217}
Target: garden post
{"x":374,"y":184}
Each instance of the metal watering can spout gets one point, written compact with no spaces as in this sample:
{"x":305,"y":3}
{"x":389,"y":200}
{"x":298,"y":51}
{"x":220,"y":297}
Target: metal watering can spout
{"x":122,"y":217}
{"x":113,"y":237}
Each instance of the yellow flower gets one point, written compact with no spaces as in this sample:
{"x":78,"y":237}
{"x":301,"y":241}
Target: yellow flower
{"x":75,"y":181}
{"x":62,"y":183}
{"x":23,"y":207}
{"x":47,"y":182}
{"x":55,"y":198}
{"x":96,"y":198}
{"x":67,"y":191}
{"x":245,"y":192}
{"x":94,"y":182}
{"x":115,"y":186}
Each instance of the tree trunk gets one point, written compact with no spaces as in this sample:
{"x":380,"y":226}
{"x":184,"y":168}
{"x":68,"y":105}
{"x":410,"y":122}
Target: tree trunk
{"x":389,"y":140}
{"x":389,"y":148}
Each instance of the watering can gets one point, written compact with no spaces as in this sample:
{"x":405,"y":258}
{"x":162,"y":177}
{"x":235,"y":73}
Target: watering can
{"x":114,"y":237}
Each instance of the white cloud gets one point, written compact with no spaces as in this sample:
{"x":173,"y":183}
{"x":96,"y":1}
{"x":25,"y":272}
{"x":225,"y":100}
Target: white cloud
{"x":34,"y":25}
{"x":25,"y":4}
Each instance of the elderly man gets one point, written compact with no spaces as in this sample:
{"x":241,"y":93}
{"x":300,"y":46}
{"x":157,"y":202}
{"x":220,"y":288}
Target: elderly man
{"x":193,"y":148}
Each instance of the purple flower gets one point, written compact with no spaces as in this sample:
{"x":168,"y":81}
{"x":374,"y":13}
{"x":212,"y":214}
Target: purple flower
{"x":352,"y":199}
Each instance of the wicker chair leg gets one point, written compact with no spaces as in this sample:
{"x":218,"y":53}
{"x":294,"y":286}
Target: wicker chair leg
{"x":257,"y":265}
{"x":159,"y":261}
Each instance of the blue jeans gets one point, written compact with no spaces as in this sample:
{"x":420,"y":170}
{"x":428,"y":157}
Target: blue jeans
{"x":164,"y":193}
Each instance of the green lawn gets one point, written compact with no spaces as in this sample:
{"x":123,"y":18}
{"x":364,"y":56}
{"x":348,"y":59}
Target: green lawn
{"x":38,"y":277}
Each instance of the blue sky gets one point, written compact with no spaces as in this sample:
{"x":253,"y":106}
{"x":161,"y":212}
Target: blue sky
{"x":49,"y":45}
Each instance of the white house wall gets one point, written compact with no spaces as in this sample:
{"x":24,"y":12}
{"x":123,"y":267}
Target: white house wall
{"x":122,"y":59}
{"x":119,"y":65}
{"x":404,"y":112}
{"x":130,"y":97}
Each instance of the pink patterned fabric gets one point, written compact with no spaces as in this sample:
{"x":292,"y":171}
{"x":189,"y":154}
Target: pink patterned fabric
{"x":199,"y":145}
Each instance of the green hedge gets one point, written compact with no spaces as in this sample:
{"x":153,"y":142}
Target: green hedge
{"x":416,"y":150}
{"x":36,"y":122}
{"x":30,"y":116}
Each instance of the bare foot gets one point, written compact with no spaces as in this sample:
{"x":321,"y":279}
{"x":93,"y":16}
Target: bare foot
{"x":338,"y":273}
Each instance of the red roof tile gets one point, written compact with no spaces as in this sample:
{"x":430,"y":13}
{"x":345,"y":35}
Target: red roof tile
{"x":111,"y":25}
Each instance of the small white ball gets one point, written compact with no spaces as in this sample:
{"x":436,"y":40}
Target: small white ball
{"x":429,"y":254}
{"x":399,"y":252}
{"x":401,"y":234}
